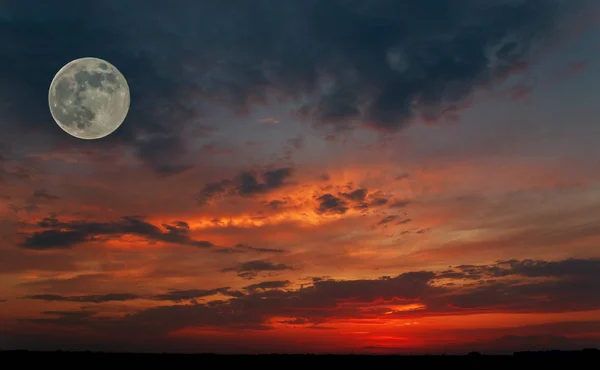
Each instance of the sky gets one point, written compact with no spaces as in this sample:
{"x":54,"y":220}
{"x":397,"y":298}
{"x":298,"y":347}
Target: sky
{"x":340,"y":176}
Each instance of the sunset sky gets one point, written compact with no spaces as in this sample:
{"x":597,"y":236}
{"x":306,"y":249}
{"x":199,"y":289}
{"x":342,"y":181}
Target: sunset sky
{"x":305,"y":176}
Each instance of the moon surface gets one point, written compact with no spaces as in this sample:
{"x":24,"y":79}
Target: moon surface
{"x":89,"y":98}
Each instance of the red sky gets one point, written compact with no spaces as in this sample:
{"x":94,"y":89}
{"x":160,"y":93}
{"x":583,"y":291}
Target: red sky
{"x":262,"y":230}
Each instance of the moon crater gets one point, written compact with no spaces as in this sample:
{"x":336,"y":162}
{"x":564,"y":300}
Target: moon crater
{"x":89,"y":98}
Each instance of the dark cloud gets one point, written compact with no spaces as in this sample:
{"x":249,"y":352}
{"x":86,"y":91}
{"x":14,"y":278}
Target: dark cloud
{"x":570,"y":285}
{"x":505,"y":284}
{"x":173,"y":295}
{"x":296,"y":321}
{"x":277,"y":284}
{"x":377,"y":202}
{"x":327,"y":293}
{"x":357,"y":195}
{"x":528,"y":268}
{"x":242,"y":248}
{"x":185,"y":295}
{"x":246,"y":184}
{"x":113,"y":297}
{"x":63,"y":318}
{"x":274,"y":179}
{"x":64,"y":286}
{"x":399,"y":204}
{"x":250,"y":269}
{"x":402,"y":176}
{"x":276,"y":204}
{"x":388,"y":219}
{"x":44,"y":195}
{"x":384,"y":62}
{"x":60,"y":234}
{"x":359,"y":199}
{"x":71,"y":314}
{"x":553,"y":296}
{"x":570,"y":268}
{"x":314,"y":303}
{"x":51,"y":239}
{"x":329,"y":203}
{"x":315,"y":279}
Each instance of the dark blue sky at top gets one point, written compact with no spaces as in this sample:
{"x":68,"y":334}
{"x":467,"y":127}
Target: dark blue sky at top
{"x":348,"y":62}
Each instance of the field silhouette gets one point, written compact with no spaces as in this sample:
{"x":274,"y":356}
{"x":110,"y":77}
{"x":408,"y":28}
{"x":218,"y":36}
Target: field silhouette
{"x":473,"y":360}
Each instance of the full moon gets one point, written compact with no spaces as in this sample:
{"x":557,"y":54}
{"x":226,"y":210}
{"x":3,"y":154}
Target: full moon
{"x":89,"y":98}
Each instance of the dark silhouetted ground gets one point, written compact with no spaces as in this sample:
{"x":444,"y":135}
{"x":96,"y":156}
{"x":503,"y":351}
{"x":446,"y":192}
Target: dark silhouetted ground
{"x":585,"y":359}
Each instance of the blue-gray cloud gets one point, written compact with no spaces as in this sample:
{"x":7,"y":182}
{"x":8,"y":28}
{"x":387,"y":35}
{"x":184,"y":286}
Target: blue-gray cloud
{"x":385,"y":61}
{"x":58,"y":234}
